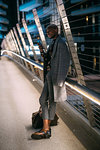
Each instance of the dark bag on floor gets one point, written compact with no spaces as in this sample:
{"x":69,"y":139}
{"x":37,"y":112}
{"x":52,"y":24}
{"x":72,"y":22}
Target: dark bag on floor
{"x":37,"y":121}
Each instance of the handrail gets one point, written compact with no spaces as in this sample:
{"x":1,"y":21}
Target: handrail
{"x":32,"y":62}
{"x":83,"y":90}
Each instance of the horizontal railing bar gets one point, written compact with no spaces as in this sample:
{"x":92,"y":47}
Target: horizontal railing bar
{"x":32,"y":62}
{"x":83,"y":90}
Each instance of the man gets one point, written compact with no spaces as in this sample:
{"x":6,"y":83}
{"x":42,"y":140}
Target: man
{"x":54,"y":90}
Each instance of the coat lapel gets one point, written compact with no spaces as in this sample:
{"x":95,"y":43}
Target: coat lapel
{"x":55,"y":47}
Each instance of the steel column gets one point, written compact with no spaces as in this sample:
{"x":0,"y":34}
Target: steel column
{"x":19,"y":44}
{"x":3,"y":46}
{"x":24,"y":45}
{"x":9,"y":42}
{"x":18,"y":41}
{"x":16,"y":45}
{"x":6,"y":43}
{"x":12,"y":42}
{"x":41,"y":33}
{"x":37,"y":21}
{"x":29,"y":38}
{"x":69,"y":38}
{"x":32,"y":46}
{"x":22,"y":39}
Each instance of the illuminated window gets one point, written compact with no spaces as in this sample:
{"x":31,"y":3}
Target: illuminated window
{"x":87,"y":18}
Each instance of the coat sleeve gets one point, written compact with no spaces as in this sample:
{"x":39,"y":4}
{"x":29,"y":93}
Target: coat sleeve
{"x":63,"y":63}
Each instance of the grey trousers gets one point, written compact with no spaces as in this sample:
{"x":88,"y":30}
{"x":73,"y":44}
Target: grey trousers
{"x":47,"y":99}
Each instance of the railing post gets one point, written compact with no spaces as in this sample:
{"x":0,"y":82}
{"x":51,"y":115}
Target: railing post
{"x":24,"y":45}
{"x":41,"y":33}
{"x":12,"y":42}
{"x":6,"y":43}
{"x":37,"y":21}
{"x":21,"y":50}
{"x":18,"y":41}
{"x":31,"y":44}
{"x":29,"y":38}
{"x":16,"y":45}
{"x":22,"y":39}
{"x":69,"y":38}
{"x":3,"y":46}
{"x":20,"y":47}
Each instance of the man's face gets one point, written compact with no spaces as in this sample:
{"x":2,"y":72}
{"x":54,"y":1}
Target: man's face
{"x":51,"y":33}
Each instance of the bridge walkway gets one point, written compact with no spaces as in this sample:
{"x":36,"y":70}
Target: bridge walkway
{"x":18,"y":99}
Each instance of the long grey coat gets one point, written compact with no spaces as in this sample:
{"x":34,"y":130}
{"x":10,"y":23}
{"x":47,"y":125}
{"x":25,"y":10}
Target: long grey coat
{"x":60,"y":61}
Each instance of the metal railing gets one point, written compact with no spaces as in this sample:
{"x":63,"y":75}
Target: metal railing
{"x":74,"y":98}
{"x":83,"y":90}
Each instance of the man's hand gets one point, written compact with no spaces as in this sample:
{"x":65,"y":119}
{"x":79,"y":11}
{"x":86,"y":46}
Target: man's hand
{"x":40,"y":47}
{"x":60,"y":84}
